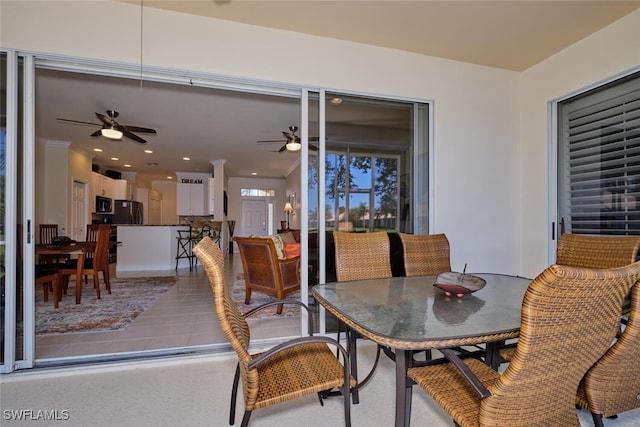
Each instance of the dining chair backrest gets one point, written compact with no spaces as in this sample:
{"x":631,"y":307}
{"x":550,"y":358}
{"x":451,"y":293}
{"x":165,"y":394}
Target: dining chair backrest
{"x":425,"y":255}
{"x":569,"y":317}
{"x":612,"y":385}
{"x":101,"y":252}
{"x":361,"y":256}
{"x":48,"y":232}
{"x":91,"y":236}
{"x":92,"y":232}
{"x":232,"y":322}
{"x":578,"y":250}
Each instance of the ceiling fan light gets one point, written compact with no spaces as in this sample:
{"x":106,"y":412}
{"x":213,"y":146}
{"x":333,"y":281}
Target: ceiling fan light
{"x":111,"y":133}
{"x":294,"y":146}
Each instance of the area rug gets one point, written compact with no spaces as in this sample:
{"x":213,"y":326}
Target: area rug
{"x":116,"y":311}
{"x":258,"y":298}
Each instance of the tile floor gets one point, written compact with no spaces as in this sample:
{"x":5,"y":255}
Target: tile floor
{"x":182,"y":320}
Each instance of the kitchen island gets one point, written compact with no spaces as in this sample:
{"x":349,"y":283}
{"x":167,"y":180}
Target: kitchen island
{"x":148,"y":247}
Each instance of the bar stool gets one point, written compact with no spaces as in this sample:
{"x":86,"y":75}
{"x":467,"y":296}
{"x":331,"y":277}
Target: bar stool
{"x":183,"y":249}
{"x":187,"y":239}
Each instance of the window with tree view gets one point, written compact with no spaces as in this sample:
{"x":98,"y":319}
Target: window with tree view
{"x":361,"y":191}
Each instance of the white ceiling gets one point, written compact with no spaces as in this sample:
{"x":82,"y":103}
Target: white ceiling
{"x":225,"y":125}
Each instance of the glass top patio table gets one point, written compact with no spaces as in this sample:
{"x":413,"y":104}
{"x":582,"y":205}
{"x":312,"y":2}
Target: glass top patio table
{"x":409,"y":313}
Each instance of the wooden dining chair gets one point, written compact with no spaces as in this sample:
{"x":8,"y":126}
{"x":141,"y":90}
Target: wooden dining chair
{"x":95,"y":265}
{"x":612,"y":385}
{"x":569,"y":317}
{"x":292,"y":369}
{"x":47,"y":233}
{"x":45,"y":275}
{"x":425,"y":255}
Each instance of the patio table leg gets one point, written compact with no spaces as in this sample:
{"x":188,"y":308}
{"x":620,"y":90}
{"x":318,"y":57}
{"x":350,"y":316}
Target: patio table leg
{"x":403,"y":388}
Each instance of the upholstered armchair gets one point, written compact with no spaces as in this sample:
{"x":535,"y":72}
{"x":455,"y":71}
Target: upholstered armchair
{"x":265,"y":270}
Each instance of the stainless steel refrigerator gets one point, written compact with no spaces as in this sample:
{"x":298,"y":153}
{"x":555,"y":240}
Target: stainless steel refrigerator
{"x":127,"y":212}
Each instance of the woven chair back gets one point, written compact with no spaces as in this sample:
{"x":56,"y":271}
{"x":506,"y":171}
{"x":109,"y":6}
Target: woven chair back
{"x":612,"y":385}
{"x":579,"y":250}
{"x":570,"y":316}
{"x":232,"y":322}
{"x":425,"y":255}
{"x":361,"y":256}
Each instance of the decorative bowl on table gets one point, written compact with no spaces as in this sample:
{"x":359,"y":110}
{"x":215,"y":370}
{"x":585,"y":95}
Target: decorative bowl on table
{"x":458,"y":284}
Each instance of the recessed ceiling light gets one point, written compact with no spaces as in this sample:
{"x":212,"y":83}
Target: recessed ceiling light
{"x":254,"y":173}
{"x":115,"y":158}
{"x":186,"y":158}
{"x":169,"y":177}
{"x":98,"y":150}
{"x":126,"y":165}
{"x":152,"y":164}
{"x":148,"y":151}
{"x":336,"y":101}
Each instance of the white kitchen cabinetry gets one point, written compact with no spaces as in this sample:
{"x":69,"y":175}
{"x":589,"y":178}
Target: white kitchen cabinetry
{"x":192,"y":198}
{"x":124,"y":190}
{"x":101,"y":186}
{"x":192,"y":193}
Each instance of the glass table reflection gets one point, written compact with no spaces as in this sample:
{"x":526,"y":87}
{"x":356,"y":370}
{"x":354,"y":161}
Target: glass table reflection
{"x":409,"y":313}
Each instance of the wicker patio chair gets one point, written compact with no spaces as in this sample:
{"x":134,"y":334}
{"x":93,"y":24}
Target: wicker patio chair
{"x":570,"y":316}
{"x":361,"y":256}
{"x":292,"y":369}
{"x":264,"y":271}
{"x":425,"y":255}
{"x":612,"y":385}
{"x":578,"y":250}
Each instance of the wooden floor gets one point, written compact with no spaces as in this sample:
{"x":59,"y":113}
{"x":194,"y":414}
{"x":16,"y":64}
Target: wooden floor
{"x":182,"y":318}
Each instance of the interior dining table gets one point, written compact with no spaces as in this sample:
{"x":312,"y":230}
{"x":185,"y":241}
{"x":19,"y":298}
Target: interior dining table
{"x":79,"y":249}
{"x":407,"y":314}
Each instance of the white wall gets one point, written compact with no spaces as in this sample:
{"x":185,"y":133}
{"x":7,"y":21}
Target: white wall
{"x":603,"y":55}
{"x":490,"y":124}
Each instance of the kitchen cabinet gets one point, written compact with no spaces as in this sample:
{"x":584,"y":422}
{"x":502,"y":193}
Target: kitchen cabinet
{"x":193,"y":194}
{"x":124,"y":189}
{"x":100,"y":186}
{"x":191,"y":199}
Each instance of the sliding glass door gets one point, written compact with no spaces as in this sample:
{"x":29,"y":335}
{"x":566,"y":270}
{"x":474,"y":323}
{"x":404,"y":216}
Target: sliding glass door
{"x":16,"y":188}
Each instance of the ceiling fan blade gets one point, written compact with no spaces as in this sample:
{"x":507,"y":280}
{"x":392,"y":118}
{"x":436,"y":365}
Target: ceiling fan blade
{"x":283,"y":148}
{"x":80,"y":122}
{"x":272,"y":141}
{"x":97,"y":133}
{"x":133,"y":136}
{"x":139,"y":129}
{"x":314,"y":138}
{"x":104,"y":119}
{"x":313,"y":147}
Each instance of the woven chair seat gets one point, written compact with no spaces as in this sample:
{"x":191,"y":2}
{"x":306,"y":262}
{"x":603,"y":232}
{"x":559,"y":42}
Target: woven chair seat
{"x":296,"y":372}
{"x":458,"y":398}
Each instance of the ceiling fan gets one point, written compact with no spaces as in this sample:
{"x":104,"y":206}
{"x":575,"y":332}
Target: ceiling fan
{"x":112,"y":129}
{"x":292,"y":141}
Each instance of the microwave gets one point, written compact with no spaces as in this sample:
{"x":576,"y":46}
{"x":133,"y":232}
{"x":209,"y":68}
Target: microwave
{"x":104,"y":204}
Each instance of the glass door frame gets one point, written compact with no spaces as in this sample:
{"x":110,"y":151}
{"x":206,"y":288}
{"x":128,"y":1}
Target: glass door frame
{"x":19,"y":350}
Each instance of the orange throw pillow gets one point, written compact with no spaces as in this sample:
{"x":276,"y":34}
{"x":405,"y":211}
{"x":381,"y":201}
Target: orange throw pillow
{"x":292,"y":250}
